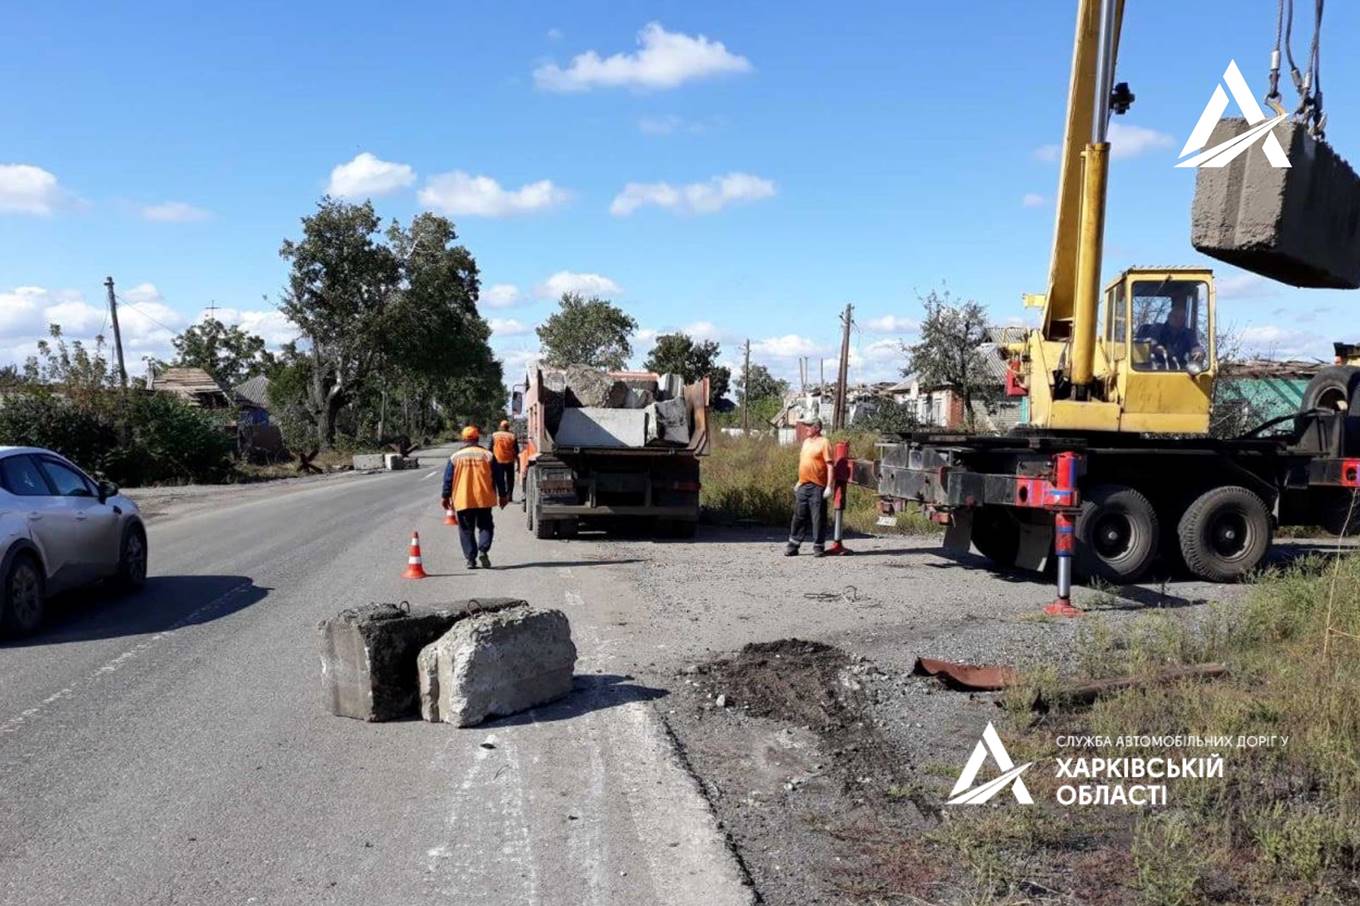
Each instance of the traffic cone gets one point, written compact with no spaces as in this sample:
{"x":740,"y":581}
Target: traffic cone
{"x":414,"y":568}
{"x":449,"y":517}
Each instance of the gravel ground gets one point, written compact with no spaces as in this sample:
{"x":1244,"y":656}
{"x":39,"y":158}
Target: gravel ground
{"x":811,"y":803}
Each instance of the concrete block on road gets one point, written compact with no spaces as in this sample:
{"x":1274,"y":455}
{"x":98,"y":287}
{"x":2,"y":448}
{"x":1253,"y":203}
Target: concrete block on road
{"x":368,"y":654}
{"x":496,"y":664}
{"x":601,"y":427}
{"x":364,"y":462}
{"x":1299,"y":225}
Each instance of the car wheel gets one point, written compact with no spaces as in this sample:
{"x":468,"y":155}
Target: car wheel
{"x":23,"y":598}
{"x":132,"y":560}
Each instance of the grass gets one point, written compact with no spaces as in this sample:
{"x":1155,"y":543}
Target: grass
{"x":752,"y":478}
{"x":1282,"y":824}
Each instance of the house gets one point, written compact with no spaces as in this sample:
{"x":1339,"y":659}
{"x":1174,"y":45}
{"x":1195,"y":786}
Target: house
{"x":193,"y":385}
{"x":253,"y":396}
{"x":255,"y":437}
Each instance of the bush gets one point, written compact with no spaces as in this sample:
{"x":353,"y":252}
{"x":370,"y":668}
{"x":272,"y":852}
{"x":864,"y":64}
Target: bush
{"x":132,"y":439}
{"x":752,"y":478}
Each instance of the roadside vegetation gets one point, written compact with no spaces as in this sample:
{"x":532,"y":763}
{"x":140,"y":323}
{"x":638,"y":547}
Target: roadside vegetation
{"x":751,"y":479}
{"x":1282,"y":825}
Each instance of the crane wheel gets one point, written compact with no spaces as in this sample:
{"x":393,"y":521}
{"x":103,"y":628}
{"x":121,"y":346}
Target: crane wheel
{"x":996,"y":535}
{"x":1225,"y":533}
{"x":1336,"y":387}
{"x":1116,"y":534}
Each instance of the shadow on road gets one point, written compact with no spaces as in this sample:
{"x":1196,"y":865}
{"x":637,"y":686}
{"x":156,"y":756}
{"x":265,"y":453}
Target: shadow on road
{"x":165,"y":602}
{"x":496,"y":567}
{"x":589,"y":692}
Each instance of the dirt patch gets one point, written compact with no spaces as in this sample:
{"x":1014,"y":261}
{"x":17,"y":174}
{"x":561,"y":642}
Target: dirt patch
{"x":783,"y":737}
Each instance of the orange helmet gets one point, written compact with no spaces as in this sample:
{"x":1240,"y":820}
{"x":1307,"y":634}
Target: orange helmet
{"x":471,"y":434}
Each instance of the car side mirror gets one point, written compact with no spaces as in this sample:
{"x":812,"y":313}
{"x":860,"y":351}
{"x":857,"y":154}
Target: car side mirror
{"x":106,"y":490}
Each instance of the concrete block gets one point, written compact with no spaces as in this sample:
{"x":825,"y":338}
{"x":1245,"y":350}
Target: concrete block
{"x":496,"y":664}
{"x":669,"y":423}
{"x":1299,"y":225}
{"x":364,"y":462}
{"x":600,"y":427}
{"x":368,"y":654}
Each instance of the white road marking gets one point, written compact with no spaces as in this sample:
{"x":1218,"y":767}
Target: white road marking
{"x":430,"y":475}
{"x":114,"y":664}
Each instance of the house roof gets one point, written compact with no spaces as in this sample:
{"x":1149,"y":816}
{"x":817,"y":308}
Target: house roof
{"x":254,"y":391}
{"x":193,"y":384}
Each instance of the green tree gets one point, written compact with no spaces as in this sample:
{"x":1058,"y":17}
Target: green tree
{"x":948,"y":354}
{"x":764,"y":385}
{"x":677,"y":353}
{"x":592,"y":332}
{"x":79,"y":371}
{"x":229,"y":354}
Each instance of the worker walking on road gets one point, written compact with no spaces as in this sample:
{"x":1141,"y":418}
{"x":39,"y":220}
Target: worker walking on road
{"x":470,"y":490}
{"x":810,"y":494}
{"x":505,"y":449}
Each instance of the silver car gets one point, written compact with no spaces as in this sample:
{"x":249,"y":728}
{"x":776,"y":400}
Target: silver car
{"x":60,"y":529}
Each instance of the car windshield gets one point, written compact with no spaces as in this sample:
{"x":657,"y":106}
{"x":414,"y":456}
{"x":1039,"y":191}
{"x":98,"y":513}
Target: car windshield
{"x":1171,"y":325}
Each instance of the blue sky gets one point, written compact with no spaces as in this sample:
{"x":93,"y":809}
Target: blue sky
{"x":738,"y":169}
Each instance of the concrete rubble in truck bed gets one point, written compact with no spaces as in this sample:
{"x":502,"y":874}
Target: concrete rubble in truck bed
{"x":368,"y":654}
{"x":496,"y":664}
{"x":584,"y":407}
{"x":1299,"y":225}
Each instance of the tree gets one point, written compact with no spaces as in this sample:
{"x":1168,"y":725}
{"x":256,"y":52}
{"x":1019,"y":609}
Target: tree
{"x":229,"y":354}
{"x":388,"y":320}
{"x":947,"y":354}
{"x":763,"y":385}
{"x":677,"y":353}
{"x":888,"y":417}
{"x":592,"y":332}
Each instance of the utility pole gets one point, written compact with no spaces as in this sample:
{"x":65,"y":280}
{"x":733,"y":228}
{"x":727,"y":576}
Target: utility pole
{"x":117,"y":335}
{"x":746,"y":391}
{"x":838,"y":417}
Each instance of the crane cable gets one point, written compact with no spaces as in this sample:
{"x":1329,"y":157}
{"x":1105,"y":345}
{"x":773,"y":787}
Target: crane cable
{"x":1308,"y":84}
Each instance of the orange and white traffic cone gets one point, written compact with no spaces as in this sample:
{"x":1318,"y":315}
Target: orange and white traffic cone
{"x":414,"y":568}
{"x":450,"y":518}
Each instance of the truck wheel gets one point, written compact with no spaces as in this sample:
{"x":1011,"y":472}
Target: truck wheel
{"x":1225,"y":533}
{"x":543,"y":530}
{"x":22,"y":598}
{"x":1116,"y":534}
{"x":1336,"y":387}
{"x":996,"y":535}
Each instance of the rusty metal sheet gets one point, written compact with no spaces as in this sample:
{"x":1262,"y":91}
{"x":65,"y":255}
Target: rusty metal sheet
{"x":967,"y":677}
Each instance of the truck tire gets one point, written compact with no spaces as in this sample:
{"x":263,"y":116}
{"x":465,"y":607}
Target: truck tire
{"x":544,"y":530}
{"x":23,"y":596}
{"x":1116,"y":534}
{"x":1336,"y":387}
{"x":996,"y":535}
{"x":1225,"y":533}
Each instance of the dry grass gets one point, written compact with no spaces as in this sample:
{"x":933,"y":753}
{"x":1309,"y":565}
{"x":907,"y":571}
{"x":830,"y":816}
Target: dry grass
{"x":752,"y":478}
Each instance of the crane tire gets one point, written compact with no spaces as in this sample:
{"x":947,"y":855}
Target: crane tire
{"x":1225,"y":533}
{"x":1117,"y":534}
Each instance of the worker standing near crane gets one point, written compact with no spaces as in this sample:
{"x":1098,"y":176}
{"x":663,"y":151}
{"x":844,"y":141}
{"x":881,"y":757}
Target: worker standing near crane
{"x":504,"y":450}
{"x":469,"y":488}
{"x":810,"y":494}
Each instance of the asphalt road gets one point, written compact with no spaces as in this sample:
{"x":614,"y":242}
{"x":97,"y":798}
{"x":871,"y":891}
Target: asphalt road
{"x":171,"y":747}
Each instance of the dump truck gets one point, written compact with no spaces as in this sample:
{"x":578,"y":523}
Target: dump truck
{"x":611,"y":449}
{"x":1116,"y":467}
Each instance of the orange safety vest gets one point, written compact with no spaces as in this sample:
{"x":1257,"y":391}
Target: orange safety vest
{"x":503,"y":444}
{"x":472,"y":485}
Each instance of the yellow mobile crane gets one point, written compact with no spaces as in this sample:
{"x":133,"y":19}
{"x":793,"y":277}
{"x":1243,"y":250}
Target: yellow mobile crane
{"x":1115,"y":468}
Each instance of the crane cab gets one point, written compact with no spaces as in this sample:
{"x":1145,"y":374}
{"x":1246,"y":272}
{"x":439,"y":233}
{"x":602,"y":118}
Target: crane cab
{"x":1154,"y":363}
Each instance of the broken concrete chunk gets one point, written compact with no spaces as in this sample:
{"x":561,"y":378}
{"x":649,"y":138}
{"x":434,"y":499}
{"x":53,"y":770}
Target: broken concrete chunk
{"x":368,"y":654}
{"x":496,"y":664}
{"x":599,"y":427}
{"x":672,"y":421}
{"x":1299,"y":225}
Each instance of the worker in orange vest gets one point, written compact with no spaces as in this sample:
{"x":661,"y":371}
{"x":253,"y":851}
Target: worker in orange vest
{"x":504,"y":449}
{"x":469,"y":488}
{"x":816,"y":479}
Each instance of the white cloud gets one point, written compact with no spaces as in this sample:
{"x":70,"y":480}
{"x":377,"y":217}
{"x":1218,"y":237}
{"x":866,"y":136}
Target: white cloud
{"x":645,"y":338}
{"x":1048,"y":153}
{"x":501,"y":295}
{"x":146,"y":323}
{"x":585,"y":284}
{"x":269,"y":324}
{"x":891,"y":324}
{"x":664,"y":60}
{"x":1274,"y":341}
{"x":508,"y":327}
{"x":367,"y":176}
{"x":26,"y":189}
{"x":1244,"y":286}
{"x":459,"y":193}
{"x":694,"y":198}
{"x":174,"y":212}
{"x":1131,"y":141}
{"x":705,"y":330}
{"x":786,"y":347}
{"x":1033,"y":200}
